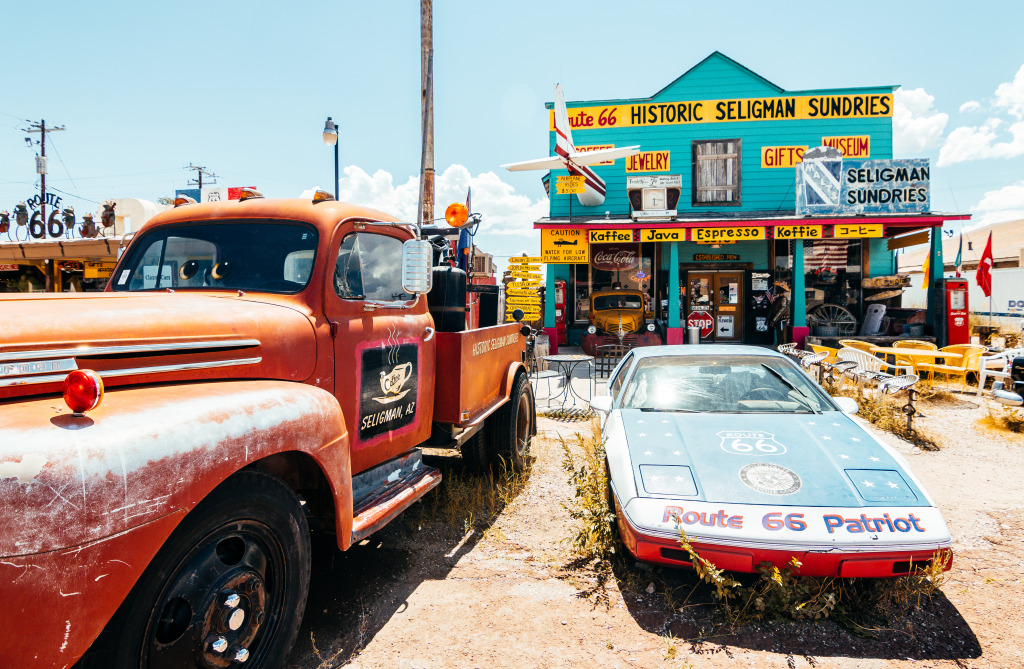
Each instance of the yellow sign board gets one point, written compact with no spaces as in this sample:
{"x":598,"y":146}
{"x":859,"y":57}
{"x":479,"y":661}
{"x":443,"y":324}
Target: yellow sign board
{"x":612,"y":236}
{"x":857,"y":231}
{"x":97,"y":270}
{"x":719,"y":235}
{"x":649,"y":161}
{"x":798,"y":232}
{"x":776,"y":108}
{"x":852,"y":146}
{"x":521,"y":292}
{"x":663,"y":235}
{"x":525,"y":260}
{"x":523,"y":284}
{"x":530,"y":301}
{"x":570,"y":179}
{"x":782,"y":156}
{"x":527,"y":315}
{"x":569,"y":189}
{"x":564,"y":246}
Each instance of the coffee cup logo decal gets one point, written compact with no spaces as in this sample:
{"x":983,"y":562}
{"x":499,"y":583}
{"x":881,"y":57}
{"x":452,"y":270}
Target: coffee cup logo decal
{"x":391,"y":383}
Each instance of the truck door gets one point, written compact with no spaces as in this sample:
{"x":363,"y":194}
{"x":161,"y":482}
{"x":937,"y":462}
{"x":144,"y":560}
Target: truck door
{"x":383,"y":346}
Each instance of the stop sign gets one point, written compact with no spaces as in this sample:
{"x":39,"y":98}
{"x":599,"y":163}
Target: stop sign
{"x":702,"y":320}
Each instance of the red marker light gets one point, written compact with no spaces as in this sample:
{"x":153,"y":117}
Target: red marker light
{"x":83,"y":390}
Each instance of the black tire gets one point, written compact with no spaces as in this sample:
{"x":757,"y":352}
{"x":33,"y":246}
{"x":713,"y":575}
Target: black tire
{"x":248,"y":538}
{"x":513,"y":425}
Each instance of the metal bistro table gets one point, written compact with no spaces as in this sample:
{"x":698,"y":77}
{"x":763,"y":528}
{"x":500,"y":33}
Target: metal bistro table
{"x":565,"y":365}
{"x":930,"y":355}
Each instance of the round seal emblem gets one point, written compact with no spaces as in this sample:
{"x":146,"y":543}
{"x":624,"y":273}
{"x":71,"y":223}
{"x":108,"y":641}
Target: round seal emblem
{"x":770,"y":479}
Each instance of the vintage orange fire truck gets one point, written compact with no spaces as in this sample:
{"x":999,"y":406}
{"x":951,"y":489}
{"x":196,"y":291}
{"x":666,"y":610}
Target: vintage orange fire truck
{"x":255,"y":368}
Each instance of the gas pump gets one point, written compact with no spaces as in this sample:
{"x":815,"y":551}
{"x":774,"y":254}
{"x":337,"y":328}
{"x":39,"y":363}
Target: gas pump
{"x":560,"y":317}
{"x":957,"y":322}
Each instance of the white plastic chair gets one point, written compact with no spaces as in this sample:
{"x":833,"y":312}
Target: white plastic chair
{"x":1002,"y":360}
{"x":869,"y":363}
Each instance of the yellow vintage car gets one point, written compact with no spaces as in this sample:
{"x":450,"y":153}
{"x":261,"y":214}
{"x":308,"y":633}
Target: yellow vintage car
{"x":618,"y":315}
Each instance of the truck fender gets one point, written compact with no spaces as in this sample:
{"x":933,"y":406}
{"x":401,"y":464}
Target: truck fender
{"x":514,"y":370}
{"x":122,"y":477}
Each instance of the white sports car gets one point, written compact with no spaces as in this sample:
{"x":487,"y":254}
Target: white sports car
{"x":740,"y":448}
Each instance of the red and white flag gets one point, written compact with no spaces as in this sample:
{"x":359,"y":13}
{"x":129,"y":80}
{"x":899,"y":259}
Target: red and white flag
{"x":984,"y":274}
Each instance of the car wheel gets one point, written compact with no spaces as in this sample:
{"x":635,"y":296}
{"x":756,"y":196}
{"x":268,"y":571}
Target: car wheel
{"x":514,"y":425}
{"x":228,"y":587}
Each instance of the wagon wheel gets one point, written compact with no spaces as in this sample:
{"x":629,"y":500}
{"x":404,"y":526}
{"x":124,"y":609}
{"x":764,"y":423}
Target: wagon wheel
{"x":835,"y":316}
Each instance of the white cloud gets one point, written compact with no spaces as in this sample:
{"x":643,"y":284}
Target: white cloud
{"x":916,"y":125}
{"x":504,"y":212}
{"x":1004,"y":204}
{"x":980,"y":142}
{"x":1010,"y":95}
{"x":970,"y":106}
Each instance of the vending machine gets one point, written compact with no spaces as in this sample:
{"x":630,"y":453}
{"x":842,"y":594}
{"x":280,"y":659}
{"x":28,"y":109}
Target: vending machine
{"x":958,"y":324}
{"x":560,"y":316}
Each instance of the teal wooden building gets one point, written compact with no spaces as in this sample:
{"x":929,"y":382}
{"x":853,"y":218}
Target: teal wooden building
{"x":719,"y":219}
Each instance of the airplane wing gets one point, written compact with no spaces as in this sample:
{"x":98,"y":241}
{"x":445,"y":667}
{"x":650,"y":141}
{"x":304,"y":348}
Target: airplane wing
{"x":552,"y":163}
{"x":602,"y":155}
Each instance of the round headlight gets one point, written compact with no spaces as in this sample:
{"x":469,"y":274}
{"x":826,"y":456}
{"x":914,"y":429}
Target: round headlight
{"x":650,"y":327}
{"x":591,"y":329}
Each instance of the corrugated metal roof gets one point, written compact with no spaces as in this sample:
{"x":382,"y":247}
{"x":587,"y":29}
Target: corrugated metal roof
{"x":1007,"y":243}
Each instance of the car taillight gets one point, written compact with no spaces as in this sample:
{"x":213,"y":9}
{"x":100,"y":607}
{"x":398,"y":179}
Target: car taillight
{"x":83,"y":391}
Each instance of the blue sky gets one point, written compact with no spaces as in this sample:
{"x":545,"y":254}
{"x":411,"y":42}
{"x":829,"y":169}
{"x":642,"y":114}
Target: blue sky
{"x":244,"y":89}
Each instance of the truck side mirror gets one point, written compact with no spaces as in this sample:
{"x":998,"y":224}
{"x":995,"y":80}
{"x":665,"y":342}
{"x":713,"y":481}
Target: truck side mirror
{"x":417,"y":273}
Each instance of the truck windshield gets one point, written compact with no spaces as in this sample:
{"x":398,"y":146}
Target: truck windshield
{"x":625,"y":301}
{"x":251,"y":254}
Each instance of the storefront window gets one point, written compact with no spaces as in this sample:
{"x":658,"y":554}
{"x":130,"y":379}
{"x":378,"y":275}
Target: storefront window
{"x":614,"y":266}
{"x":716,"y":172}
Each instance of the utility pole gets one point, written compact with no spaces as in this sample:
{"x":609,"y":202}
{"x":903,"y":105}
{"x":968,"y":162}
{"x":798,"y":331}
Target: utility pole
{"x":200,"y":171}
{"x":426,"y":213}
{"x":41,"y":171}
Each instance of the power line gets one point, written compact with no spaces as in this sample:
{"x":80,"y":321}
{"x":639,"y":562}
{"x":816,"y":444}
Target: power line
{"x":54,"y":144}
{"x":200,"y":171}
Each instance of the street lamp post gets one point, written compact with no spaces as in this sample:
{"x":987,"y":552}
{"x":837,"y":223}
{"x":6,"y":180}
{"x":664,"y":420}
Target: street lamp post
{"x":331,"y":139}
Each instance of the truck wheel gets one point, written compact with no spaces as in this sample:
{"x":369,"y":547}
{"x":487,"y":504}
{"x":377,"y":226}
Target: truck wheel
{"x":228,"y":587}
{"x":513,"y":426}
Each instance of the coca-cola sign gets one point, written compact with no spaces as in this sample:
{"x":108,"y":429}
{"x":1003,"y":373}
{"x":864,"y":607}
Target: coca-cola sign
{"x":614,"y":257}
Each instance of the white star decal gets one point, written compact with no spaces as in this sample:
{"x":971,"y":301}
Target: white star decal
{"x":874,"y":459}
{"x":676,"y":453}
{"x":854,"y":439}
{"x":844,"y":456}
{"x":642,"y":434}
{"x":679,"y":479}
{"x":892,"y":485}
{"x":868,"y":484}
{"x":665,"y":421}
{"x":811,"y":422}
{"x":827,"y":438}
{"x":668,"y":434}
{"x":639,"y":422}
{"x":648,"y":453}
{"x":654,"y":478}
{"x":836,"y":425}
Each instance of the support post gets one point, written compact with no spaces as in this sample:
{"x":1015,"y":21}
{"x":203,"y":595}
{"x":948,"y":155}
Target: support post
{"x":935,"y":317}
{"x":549,"y":310}
{"x":675,"y":329}
{"x":798,"y":297}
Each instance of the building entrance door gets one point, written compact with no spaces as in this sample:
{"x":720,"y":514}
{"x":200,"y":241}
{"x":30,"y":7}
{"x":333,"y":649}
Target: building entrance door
{"x":715,"y":305}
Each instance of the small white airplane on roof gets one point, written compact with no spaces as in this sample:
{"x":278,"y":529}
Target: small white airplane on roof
{"x":577,"y":162}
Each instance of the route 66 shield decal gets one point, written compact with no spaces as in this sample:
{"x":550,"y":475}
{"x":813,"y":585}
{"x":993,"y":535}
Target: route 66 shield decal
{"x":750,"y":442}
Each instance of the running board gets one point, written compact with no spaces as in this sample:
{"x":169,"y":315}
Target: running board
{"x":381,"y":493}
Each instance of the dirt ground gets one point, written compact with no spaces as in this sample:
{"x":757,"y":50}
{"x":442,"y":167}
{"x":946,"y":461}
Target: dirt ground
{"x":425,"y":592}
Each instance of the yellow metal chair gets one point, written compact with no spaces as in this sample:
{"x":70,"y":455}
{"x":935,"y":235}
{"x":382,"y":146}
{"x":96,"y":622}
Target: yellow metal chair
{"x":969,"y":362}
{"x":916,"y":344}
{"x":857,"y":344}
{"x":825,"y":349}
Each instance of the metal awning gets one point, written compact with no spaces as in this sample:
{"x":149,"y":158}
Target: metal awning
{"x":99,"y":248}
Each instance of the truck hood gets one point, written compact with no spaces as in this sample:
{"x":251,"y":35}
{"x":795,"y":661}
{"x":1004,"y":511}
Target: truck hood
{"x":151,"y":337}
{"x":608,"y":320}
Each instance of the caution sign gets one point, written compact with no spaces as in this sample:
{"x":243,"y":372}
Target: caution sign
{"x":564,"y":246}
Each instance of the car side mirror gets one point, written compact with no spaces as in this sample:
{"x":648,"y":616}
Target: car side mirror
{"x":602,"y":403}
{"x":417,"y":273}
{"x":848,"y":405}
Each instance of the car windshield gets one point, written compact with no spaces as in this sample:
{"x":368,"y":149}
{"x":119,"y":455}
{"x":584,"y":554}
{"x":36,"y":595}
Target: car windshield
{"x":722,"y":383}
{"x":252,"y":254}
{"x":624,"y":301}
